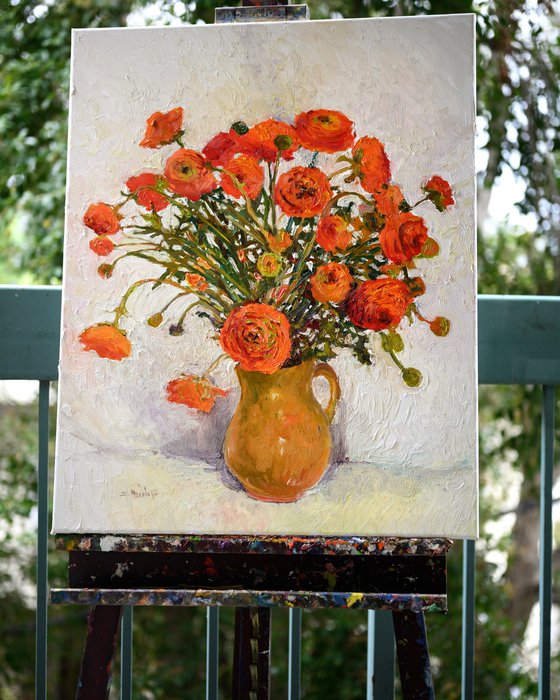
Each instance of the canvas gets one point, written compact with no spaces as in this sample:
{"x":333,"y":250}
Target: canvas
{"x":269,"y":304}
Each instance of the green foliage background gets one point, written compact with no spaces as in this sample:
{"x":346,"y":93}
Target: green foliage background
{"x":518,"y":105}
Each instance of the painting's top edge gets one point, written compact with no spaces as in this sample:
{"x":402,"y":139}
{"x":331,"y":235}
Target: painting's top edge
{"x":267,"y":544}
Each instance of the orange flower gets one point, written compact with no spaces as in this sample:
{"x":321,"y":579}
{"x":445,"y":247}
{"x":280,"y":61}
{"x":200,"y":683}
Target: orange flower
{"x":248,"y":172}
{"x":261,"y":141}
{"x":142,"y":186}
{"x":416,"y":285}
{"x":388,"y":200}
{"x":102,"y":219}
{"x":269,"y":264}
{"x":162,"y":128}
{"x":194,"y":392}
{"x":280,"y":242}
{"x":403,"y":237}
{"x":440,"y":326}
{"x":221,"y":148}
{"x":107,"y":341}
{"x":324,"y":130}
{"x":102,"y":245}
{"x":378,"y":304}
{"x":333,"y":233}
{"x":371,"y":164}
{"x":439,"y":192}
{"x":187,"y":174}
{"x":258,"y":337}
{"x":331,"y":282}
{"x":196,"y":281}
{"x":302,"y":192}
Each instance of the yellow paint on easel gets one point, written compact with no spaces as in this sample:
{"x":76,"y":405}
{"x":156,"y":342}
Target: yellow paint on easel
{"x":354,"y":598}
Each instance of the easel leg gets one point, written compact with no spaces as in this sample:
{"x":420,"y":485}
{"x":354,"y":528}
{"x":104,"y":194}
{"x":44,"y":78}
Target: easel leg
{"x":251,"y":660}
{"x":413,"y":656}
{"x":101,"y":641}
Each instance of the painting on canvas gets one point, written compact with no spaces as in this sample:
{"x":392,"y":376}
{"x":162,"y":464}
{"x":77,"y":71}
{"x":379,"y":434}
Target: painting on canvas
{"x":269,"y":285}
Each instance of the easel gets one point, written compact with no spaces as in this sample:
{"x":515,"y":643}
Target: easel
{"x":254,"y":574}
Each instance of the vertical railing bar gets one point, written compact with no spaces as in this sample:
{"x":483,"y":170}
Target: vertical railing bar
{"x":294,"y":654}
{"x":212,"y":652}
{"x":468,"y":625}
{"x":126,"y":653}
{"x":545,"y":541}
{"x":42,"y":543}
{"x":380,"y":656}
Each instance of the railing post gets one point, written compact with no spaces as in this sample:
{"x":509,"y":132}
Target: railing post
{"x":212,"y":652}
{"x":294,"y":654}
{"x":380,"y":656}
{"x":126,"y":653}
{"x":468,"y":626}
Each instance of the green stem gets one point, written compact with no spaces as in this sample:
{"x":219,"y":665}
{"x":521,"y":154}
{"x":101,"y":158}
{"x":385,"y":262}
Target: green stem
{"x":214,"y":364}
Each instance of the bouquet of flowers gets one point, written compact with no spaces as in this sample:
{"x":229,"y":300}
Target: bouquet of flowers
{"x":286,"y":262}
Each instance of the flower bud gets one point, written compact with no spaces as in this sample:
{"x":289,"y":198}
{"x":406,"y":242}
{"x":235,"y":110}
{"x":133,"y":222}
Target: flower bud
{"x":412,"y":377}
{"x":155,"y":320}
{"x":416,"y":285}
{"x":105,"y":270}
{"x":283,"y":142}
{"x":430,"y":248}
{"x":392,"y":342}
{"x":176,"y":329}
{"x":440,"y":326}
{"x":269,"y":264}
{"x":240,"y":128}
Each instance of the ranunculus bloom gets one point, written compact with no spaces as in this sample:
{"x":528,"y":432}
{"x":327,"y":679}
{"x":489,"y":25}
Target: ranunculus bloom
{"x":371,"y":164}
{"x":403,"y":237}
{"x":196,"y":281}
{"x":221,"y":148}
{"x":258,"y":337}
{"x":439,"y":192}
{"x":388,"y":200}
{"x":102,"y":219}
{"x":331,"y":282}
{"x":279,"y":242}
{"x":194,"y":392}
{"x":269,"y":264}
{"x":162,"y":128}
{"x":142,"y":185}
{"x":324,"y":130}
{"x":259,"y":141}
{"x":107,"y":341}
{"x":333,"y":233}
{"x":378,"y":304}
{"x":187,"y":174}
{"x":302,"y":192}
{"x":248,"y":172}
{"x":102,"y":245}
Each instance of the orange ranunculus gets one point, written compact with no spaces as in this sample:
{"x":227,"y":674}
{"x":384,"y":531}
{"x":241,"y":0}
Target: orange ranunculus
{"x":221,"y":148}
{"x":196,"y":281}
{"x":333,"y":233}
{"x":331,"y":282}
{"x":378,"y":304}
{"x":102,"y":245}
{"x":187,"y":174}
{"x":194,"y":392}
{"x":280,"y":242}
{"x":162,"y":128}
{"x":403,"y":237}
{"x":371,"y":164}
{"x":388,"y":200}
{"x":248,"y":172}
{"x":102,"y":219}
{"x":302,"y":192}
{"x":107,"y":341}
{"x":143,"y":187}
{"x":324,"y":130}
{"x":258,"y":337}
{"x":261,"y":140}
{"x":439,"y":192}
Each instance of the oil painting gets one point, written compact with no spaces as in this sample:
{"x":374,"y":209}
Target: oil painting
{"x":269,"y":302}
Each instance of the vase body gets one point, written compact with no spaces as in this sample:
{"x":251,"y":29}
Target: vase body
{"x":278,"y":442}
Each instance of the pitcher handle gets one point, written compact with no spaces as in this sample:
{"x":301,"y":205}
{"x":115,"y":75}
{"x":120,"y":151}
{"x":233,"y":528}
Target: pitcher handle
{"x":326,"y":371}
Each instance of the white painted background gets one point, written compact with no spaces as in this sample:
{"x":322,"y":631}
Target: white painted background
{"x":129,"y":461}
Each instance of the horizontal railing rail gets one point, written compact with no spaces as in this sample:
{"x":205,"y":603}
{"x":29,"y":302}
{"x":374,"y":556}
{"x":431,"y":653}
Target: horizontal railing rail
{"x":518,"y":342}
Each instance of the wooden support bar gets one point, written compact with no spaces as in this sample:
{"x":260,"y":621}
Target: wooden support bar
{"x":99,"y":652}
{"x":251,"y":661}
{"x":413,"y":656}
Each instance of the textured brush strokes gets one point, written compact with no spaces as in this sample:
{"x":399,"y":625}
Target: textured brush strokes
{"x":404,"y":459}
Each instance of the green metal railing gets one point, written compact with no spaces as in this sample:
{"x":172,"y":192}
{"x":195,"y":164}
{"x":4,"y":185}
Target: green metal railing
{"x":518,"y":341}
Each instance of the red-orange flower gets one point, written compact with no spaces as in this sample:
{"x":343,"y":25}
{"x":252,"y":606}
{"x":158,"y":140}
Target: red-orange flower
{"x":378,"y":304}
{"x":388,"y":200}
{"x":439,"y":192}
{"x":248,"y":172}
{"x":261,"y":141}
{"x":331,"y":282}
{"x":196,"y":281}
{"x":102,"y":245}
{"x":333,"y":233}
{"x":258,"y":337}
{"x":107,"y":341}
{"x":194,"y":392}
{"x":221,"y":148}
{"x":162,"y":128}
{"x":324,"y":130}
{"x":280,"y":242}
{"x":302,"y":192}
{"x":187,"y":174}
{"x":403,"y":237}
{"x":102,"y":219}
{"x":142,"y":186}
{"x":371,"y":164}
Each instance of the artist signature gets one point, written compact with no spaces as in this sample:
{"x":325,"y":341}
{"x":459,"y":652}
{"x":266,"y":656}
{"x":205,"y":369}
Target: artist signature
{"x":140,"y":492}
